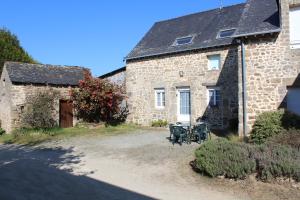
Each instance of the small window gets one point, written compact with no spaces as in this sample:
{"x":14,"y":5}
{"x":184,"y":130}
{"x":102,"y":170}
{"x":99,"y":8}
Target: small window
{"x":160,"y":99}
{"x":226,"y":33}
{"x":214,"y":62}
{"x":184,"y":40}
{"x":295,"y":27}
{"x":214,"y":97}
{"x":22,"y":109}
{"x":3,"y":82}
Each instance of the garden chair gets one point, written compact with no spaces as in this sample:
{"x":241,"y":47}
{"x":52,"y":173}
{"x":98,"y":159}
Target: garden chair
{"x":180,"y":134}
{"x":201,"y":132}
{"x":171,"y":131}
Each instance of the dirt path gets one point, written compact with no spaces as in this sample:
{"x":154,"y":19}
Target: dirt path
{"x":141,"y":165}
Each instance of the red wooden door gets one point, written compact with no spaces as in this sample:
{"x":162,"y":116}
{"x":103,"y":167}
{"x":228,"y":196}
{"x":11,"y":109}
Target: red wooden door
{"x":65,"y":114}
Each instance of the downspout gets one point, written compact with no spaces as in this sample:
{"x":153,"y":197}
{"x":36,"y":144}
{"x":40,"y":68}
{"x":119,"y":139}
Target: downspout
{"x":244,"y":90}
{"x":190,"y":98}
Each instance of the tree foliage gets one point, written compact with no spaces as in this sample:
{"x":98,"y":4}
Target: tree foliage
{"x":98,"y":100}
{"x":11,"y":50}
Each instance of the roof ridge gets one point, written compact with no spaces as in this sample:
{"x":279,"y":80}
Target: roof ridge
{"x":43,"y":65}
{"x":205,"y":11}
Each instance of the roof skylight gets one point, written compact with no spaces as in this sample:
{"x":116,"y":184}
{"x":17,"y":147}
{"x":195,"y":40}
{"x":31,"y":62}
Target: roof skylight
{"x":183,"y":40}
{"x":226,"y":33}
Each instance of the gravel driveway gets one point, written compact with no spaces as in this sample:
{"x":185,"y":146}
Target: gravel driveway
{"x":140,"y":165}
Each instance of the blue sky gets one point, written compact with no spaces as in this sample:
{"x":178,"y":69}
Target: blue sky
{"x":96,"y":34}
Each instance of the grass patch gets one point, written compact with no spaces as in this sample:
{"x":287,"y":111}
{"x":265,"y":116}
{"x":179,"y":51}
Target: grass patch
{"x":37,"y":136}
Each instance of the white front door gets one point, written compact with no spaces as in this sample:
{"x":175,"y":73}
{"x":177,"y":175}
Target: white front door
{"x":293,"y":100}
{"x":183,"y":105}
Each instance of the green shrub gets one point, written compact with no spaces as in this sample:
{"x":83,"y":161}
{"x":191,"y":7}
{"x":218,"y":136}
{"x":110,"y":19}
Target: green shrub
{"x":159,"y":123}
{"x":39,"y":110}
{"x":267,"y":125}
{"x":222,"y":157}
{"x":274,"y":160}
{"x":237,"y":160}
{"x":289,"y":137}
{"x":2,"y":132}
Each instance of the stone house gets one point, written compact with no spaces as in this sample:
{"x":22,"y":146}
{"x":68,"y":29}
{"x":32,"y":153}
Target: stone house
{"x":20,"y":80}
{"x":228,"y":64}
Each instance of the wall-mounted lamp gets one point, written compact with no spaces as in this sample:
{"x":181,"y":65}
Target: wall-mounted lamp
{"x":181,"y":73}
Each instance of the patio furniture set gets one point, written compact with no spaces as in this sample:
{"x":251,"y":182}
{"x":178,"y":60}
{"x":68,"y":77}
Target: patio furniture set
{"x":183,"y":132}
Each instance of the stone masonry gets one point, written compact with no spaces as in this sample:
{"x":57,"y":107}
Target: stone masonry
{"x":143,"y":76}
{"x":118,"y":78}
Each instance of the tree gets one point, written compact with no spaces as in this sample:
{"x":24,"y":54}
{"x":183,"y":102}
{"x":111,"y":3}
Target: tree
{"x":11,"y":50}
{"x":98,"y":100}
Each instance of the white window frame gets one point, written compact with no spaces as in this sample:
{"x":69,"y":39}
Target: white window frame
{"x":210,"y":68}
{"x":162,"y":93}
{"x":294,"y":21}
{"x":214,"y":89}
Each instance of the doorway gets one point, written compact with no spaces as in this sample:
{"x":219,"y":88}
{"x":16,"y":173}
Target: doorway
{"x":65,"y":114}
{"x":183,"y":104}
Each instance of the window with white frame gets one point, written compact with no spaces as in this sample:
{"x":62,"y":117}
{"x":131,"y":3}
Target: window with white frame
{"x":214,"y":97}
{"x":160,"y":99}
{"x":214,"y":62}
{"x":295,"y":27}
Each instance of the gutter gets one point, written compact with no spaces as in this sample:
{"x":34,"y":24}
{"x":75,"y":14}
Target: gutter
{"x":177,"y":51}
{"x":258,"y":33}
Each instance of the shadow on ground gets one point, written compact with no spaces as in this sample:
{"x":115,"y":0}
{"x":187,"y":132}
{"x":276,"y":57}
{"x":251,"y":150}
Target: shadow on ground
{"x":36,"y":173}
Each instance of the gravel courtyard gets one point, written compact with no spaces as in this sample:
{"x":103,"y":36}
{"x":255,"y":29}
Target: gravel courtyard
{"x":140,"y":165}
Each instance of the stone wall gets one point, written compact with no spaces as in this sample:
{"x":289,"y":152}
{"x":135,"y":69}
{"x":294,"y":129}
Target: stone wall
{"x":143,"y":76}
{"x":272,"y":66}
{"x":118,"y":78}
{"x":14,"y":102}
{"x":5,"y":100}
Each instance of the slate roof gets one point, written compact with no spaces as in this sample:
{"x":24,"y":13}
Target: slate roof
{"x":248,"y":18}
{"x":259,"y":16}
{"x":24,"y":73}
{"x":122,"y":69}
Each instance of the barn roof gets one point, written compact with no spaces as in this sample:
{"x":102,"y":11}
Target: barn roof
{"x":24,"y":73}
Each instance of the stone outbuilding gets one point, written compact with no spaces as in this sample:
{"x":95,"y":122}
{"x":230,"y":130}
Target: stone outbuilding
{"x":20,"y":80}
{"x":117,"y":76}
